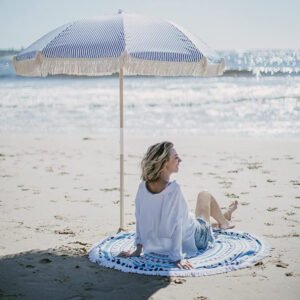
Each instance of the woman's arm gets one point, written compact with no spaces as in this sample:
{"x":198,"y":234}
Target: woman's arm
{"x":181,"y":263}
{"x":182,"y":209}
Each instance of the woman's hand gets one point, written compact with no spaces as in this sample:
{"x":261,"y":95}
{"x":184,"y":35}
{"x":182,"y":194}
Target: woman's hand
{"x":129,"y":254}
{"x":184,"y":264}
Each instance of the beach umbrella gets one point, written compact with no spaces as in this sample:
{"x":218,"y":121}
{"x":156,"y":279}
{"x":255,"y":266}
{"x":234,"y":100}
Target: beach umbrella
{"x":127,"y":44}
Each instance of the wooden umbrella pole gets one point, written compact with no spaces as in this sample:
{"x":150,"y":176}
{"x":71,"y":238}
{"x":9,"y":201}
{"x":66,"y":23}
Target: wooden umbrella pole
{"x":122,"y":227}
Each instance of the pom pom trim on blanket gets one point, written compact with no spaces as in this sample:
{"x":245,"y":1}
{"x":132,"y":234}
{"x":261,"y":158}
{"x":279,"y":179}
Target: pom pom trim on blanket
{"x":233,"y":250}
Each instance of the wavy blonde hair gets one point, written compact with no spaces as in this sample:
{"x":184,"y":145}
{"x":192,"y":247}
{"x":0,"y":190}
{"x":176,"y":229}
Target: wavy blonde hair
{"x":154,"y":159}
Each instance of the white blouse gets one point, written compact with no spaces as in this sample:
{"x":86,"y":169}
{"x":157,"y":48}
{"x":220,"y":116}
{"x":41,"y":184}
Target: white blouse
{"x":164,"y":225}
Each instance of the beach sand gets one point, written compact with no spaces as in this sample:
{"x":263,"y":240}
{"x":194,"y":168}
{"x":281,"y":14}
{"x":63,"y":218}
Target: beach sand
{"x":59,"y":195}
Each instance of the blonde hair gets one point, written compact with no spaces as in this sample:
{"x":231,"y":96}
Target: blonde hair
{"x":154,"y":159}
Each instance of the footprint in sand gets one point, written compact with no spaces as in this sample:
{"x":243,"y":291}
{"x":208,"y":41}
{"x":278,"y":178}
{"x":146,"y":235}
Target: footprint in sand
{"x":226,"y":184}
{"x":254,"y":165}
{"x":175,"y":280}
{"x":198,"y":173}
{"x":290,"y":213}
{"x":211,"y":173}
{"x":266,"y":172}
{"x":295,"y":182}
{"x":291,"y":274}
{"x":281,"y":264}
{"x":109,"y":189}
{"x":63,"y":173}
{"x":29,"y":266}
{"x":232,"y":195}
{"x":87,"y":201}
{"x":233,"y":171}
{"x":290,"y":235}
{"x":289,"y":157}
{"x":6,"y":176}
{"x":260,"y":264}
{"x":79,"y":243}
{"x":268,"y":224}
{"x":272,"y":208}
{"x":66,"y":231}
{"x":45,"y":261}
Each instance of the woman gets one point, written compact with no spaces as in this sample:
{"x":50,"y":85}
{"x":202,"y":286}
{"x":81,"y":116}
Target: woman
{"x":164,"y":225}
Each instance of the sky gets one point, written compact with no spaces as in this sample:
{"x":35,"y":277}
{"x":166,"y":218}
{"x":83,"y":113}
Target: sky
{"x":222,"y":24}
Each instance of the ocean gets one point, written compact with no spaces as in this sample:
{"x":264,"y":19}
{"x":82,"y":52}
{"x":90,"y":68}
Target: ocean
{"x":258,"y":95}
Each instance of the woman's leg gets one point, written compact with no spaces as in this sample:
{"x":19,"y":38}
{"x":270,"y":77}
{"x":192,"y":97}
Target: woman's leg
{"x":207,"y":206}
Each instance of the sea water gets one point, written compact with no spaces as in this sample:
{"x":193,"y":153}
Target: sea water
{"x":258,"y":95}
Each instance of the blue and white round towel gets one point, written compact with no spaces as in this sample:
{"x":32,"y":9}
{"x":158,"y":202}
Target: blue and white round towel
{"x":232,"y":250}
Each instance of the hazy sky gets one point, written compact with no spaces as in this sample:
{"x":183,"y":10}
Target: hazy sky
{"x":222,"y":24}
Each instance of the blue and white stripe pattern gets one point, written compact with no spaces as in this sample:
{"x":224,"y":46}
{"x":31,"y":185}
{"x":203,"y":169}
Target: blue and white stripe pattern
{"x":103,"y":45}
{"x":232,"y":250}
{"x":92,"y":38}
{"x":154,"y":39}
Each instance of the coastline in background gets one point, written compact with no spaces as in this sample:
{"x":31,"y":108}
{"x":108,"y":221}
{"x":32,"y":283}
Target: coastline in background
{"x":258,"y":95}
{"x":238,"y":62}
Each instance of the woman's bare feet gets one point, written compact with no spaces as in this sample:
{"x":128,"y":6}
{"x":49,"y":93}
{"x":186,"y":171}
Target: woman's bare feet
{"x":231,"y":208}
{"x":227,"y":224}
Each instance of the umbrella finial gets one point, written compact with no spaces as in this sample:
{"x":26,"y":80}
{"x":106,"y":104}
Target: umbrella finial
{"x":120,"y":11}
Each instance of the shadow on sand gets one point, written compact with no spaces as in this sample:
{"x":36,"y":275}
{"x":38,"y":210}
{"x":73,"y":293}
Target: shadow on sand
{"x":53,"y":275}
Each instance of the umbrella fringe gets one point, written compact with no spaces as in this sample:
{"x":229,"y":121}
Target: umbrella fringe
{"x":28,"y":67}
{"x":134,"y":66}
{"x":42,"y":66}
{"x":215,"y":69}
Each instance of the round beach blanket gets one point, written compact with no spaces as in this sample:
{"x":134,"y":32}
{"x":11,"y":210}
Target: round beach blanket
{"x":232,"y":250}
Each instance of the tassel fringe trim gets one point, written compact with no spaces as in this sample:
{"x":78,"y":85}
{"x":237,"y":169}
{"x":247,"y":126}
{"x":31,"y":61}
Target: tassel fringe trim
{"x":250,"y":261}
{"x":42,"y":66}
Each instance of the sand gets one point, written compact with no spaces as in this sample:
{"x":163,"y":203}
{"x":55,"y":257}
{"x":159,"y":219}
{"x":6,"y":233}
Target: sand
{"x":59,"y":195}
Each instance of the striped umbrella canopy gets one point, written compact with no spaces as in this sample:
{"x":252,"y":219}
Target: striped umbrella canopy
{"x":122,"y":43}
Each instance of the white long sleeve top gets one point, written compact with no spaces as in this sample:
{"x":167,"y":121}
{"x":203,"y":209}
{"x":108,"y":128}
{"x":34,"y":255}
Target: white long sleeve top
{"x":164,"y":224}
